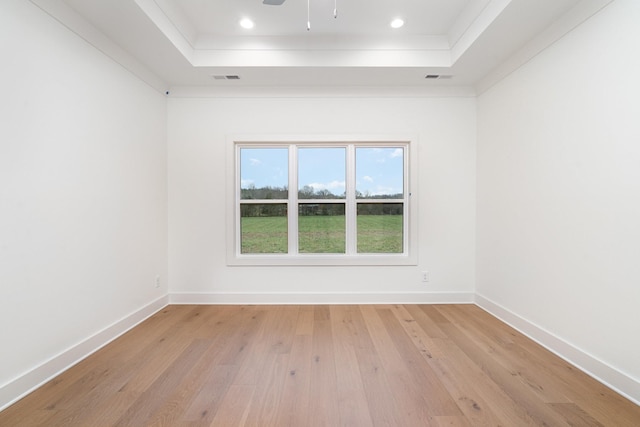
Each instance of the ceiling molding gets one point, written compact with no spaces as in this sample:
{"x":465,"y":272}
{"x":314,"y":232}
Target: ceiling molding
{"x":68,"y":17}
{"x":322,"y":58}
{"x":178,"y":20}
{"x":322,"y":92}
{"x":558,"y":29}
{"x":166,"y":25}
{"x":486,"y":16}
{"x":322,"y":42}
{"x":465,"y":20}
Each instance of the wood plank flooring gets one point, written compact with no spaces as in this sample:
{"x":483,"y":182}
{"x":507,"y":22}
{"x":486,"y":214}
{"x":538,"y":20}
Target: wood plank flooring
{"x":339,"y":365}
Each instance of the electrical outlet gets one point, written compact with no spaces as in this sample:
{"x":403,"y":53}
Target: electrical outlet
{"x":157,"y":281}
{"x":425,"y":276}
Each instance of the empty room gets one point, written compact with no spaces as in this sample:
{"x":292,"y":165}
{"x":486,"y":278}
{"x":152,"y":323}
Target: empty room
{"x":322,"y":212}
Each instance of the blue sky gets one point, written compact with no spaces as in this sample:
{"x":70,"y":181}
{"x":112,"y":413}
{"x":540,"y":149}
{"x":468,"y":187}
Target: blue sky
{"x":378,"y":170}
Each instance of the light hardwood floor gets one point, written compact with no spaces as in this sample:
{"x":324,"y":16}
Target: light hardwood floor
{"x":339,"y":365}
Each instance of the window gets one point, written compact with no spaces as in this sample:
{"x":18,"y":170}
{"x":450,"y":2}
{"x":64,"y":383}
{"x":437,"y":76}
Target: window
{"x":321,"y":203}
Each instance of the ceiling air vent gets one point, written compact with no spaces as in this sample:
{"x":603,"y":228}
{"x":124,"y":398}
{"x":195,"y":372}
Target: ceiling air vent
{"x":437,"y":76}
{"x":227,"y":77}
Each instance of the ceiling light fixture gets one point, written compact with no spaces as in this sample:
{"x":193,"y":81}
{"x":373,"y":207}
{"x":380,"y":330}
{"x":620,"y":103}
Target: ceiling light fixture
{"x":335,"y":11}
{"x":279,"y":3}
{"x":397,"y":23}
{"x":246,"y":23}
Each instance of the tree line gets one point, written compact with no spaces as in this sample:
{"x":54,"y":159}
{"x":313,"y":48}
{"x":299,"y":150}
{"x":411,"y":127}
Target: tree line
{"x":305,"y":193}
{"x":310,"y":209}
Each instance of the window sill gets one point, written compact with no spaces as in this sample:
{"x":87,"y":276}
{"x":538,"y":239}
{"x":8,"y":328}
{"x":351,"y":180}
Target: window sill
{"x":321,"y":260}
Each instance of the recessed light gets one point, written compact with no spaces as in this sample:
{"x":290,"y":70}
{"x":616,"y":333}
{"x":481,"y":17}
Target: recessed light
{"x":397,"y":23}
{"x":246,"y":23}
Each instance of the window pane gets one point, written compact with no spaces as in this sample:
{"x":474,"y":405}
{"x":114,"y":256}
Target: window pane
{"x":379,"y":173}
{"x":321,"y":228}
{"x":263,"y":228}
{"x":321,"y":173}
{"x":264,"y":173}
{"x":380,"y":228}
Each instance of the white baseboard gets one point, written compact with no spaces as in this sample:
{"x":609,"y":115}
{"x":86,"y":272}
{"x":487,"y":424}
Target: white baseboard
{"x":604,"y":373}
{"x":323,"y":298}
{"x":16,"y":389}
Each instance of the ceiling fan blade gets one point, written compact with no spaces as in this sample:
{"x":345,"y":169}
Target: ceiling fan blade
{"x":273,"y":2}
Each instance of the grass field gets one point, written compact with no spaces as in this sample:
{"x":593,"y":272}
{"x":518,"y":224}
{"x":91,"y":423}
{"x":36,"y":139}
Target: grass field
{"x":322,"y":234}
{"x":264,"y":235}
{"x":380,"y":234}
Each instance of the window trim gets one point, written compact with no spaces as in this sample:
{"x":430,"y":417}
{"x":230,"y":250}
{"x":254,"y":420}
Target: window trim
{"x":410,"y":255}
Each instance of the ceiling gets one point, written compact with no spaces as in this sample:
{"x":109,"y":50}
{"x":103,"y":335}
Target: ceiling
{"x":199,"y":43}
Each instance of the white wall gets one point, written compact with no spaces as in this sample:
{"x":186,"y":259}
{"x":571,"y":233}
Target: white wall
{"x":83,"y":207}
{"x":197,"y":132}
{"x":558,"y":244}
{"x":82,"y":196}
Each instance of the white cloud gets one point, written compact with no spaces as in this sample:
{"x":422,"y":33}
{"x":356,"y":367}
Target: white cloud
{"x":336,"y":184}
{"x":367,"y":178}
{"x":331,"y":186}
{"x":396,"y":153}
{"x":246,"y":183}
{"x":382,"y":191}
{"x":255,"y":162}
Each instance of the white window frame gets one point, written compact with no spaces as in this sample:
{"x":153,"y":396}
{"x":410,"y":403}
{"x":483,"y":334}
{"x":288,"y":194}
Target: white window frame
{"x":351,"y":257}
